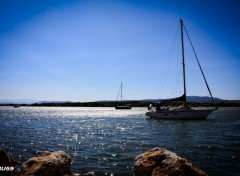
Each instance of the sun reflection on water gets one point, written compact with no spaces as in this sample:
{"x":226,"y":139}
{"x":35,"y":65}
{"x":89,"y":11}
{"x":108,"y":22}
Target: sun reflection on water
{"x":106,"y":141}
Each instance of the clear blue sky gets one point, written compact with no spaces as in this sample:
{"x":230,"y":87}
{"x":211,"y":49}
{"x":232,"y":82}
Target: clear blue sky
{"x":82,"y":50}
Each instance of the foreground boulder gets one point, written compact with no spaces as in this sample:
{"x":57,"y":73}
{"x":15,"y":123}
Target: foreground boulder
{"x":7,"y":164}
{"x":160,"y":161}
{"x":51,"y":164}
{"x":47,"y":163}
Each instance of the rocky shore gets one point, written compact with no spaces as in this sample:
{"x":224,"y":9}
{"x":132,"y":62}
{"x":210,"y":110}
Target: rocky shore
{"x":155,"y":162}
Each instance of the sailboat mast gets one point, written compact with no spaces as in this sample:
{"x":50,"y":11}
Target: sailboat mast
{"x":121,"y":91}
{"x":183,"y":61}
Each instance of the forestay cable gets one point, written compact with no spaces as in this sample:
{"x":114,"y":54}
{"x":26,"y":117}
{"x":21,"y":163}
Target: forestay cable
{"x":198,"y":63}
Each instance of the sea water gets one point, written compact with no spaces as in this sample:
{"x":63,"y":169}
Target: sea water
{"x":106,"y":141}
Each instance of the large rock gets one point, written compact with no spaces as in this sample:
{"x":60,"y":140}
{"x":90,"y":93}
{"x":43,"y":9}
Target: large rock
{"x":51,"y":164}
{"x":161,"y":162}
{"x":47,"y":163}
{"x":7,"y":164}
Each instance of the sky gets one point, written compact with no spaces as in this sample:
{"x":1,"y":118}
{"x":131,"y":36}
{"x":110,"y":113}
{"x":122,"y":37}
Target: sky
{"x":69,"y":50}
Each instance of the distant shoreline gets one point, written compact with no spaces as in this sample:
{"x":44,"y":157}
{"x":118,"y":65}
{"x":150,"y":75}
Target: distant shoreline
{"x":133,"y":104}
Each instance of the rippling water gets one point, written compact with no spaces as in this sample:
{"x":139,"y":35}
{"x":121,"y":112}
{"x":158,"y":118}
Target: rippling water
{"x":106,"y":141}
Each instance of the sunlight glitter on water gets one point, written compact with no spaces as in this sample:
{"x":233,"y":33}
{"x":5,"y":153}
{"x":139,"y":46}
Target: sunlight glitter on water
{"x":106,"y":140}
{"x":85,"y":112}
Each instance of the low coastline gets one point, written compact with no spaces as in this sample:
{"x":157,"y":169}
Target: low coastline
{"x":234,"y":103}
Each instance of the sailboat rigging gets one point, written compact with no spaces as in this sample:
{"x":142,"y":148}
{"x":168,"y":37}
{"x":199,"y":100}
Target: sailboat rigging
{"x":183,"y":112}
{"x":122,"y":106}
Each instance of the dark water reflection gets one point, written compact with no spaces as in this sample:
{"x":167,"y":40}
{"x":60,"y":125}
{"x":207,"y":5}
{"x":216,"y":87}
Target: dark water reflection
{"x":106,"y":140}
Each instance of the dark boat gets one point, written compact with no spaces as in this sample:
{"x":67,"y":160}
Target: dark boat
{"x":123,"y":107}
{"x":16,"y":106}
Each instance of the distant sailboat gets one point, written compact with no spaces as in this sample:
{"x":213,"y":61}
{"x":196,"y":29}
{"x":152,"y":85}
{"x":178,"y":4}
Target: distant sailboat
{"x":16,"y":106}
{"x":122,"y":106}
{"x":183,"y":112}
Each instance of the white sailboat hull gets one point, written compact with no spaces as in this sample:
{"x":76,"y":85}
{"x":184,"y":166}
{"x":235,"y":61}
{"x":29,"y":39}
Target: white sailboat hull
{"x":181,"y":114}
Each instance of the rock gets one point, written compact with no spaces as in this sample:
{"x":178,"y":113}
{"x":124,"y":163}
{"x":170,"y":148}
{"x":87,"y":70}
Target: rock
{"x":47,"y":163}
{"x":7,"y":164}
{"x":155,"y":162}
{"x":7,"y":160}
{"x":161,"y":162}
{"x":51,"y":164}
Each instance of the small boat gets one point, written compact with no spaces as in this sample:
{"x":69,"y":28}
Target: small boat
{"x":127,"y":106}
{"x":16,"y":106}
{"x":184,"y":111}
{"x":123,"y":107}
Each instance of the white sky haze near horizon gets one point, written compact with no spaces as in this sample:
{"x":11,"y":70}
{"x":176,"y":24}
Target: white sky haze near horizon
{"x":82,"y":50}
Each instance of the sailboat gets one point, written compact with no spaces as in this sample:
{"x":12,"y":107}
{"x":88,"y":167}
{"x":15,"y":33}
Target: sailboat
{"x":182,"y":112}
{"x":122,"y":106}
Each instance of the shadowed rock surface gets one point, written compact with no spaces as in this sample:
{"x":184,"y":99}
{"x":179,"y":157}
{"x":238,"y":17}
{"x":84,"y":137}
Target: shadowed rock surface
{"x":8,"y":161}
{"x":161,"y":162}
{"x":47,"y":163}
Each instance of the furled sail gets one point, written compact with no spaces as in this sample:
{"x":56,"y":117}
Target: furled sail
{"x":181,"y":98}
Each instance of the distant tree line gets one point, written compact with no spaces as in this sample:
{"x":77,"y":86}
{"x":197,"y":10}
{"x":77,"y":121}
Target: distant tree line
{"x":132,"y":103}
